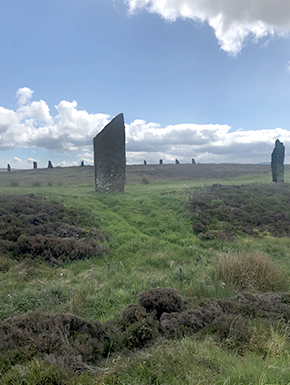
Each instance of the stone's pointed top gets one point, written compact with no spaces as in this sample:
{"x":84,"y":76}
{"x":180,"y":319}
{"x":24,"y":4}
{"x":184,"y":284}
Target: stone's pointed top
{"x":117,"y":123}
{"x":278,"y":143}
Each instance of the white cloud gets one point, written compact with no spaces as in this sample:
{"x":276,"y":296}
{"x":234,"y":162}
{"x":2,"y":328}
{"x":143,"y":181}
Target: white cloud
{"x":24,"y":95}
{"x":71,"y":132}
{"x":233,"y":21}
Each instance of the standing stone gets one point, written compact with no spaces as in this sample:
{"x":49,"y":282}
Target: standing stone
{"x":110,"y":157}
{"x":193,"y":161}
{"x":82,"y":163}
{"x":8,"y":167}
{"x":145,"y":162}
{"x":177,"y":161}
{"x":50,"y":164}
{"x":34,"y":165}
{"x":160,"y":161}
{"x":277,"y":162}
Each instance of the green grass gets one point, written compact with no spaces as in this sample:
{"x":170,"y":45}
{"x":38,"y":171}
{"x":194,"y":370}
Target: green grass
{"x":152,"y":244}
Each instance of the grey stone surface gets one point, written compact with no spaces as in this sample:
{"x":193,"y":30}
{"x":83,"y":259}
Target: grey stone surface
{"x":50,"y":164}
{"x":277,"y":162}
{"x":82,"y":163}
{"x":177,"y":161}
{"x":193,"y":161}
{"x":34,"y":164}
{"x":160,"y":161}
{"x":110,"y":157}
{"x":145,"y":162}
{"x":8,"y":168}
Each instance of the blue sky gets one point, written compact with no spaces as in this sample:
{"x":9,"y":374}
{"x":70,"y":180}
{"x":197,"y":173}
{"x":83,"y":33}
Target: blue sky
{"x":208,"y":79}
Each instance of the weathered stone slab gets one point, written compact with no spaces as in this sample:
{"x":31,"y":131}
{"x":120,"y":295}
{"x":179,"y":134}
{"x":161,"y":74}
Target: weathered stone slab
{"x":110,"y":157}
{"x":34,"y":165}
{"x":160,"y":161}
{"x":8,"y":167}
{"x":49,"y":164}
{"x":193,"y":161}
{"x":277,"y":162}
{"x":145,"y":162}
{"x":177,"y":161}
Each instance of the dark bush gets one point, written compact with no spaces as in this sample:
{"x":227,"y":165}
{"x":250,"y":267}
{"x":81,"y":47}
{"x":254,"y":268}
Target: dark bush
{"x":34,"y":227}
{"x":257,"y":210}
{"x":161,"y":300}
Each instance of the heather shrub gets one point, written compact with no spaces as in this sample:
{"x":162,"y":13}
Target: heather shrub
{"x":250,"y":271}
{"x":34,"y":227}
{"x":223,"y":211}
{"x":161,"y":300}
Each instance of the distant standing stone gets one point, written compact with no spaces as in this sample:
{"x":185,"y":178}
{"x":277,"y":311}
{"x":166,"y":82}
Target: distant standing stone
{"x":50,"y":164}
{"x":8,"y":168}
{"x":145,"y":162}
{"x":193,"y":161}
{"x":177,"y":161}
{"x":82,"y":163}
{"x":34,"y":165}
{"x":277,"y":162}
{"x":160,"y":161}
{"x":110,"y":157}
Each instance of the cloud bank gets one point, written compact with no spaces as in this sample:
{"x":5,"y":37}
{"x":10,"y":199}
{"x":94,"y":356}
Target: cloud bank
{"x":71,"y":132}
{"x":233,"y":21}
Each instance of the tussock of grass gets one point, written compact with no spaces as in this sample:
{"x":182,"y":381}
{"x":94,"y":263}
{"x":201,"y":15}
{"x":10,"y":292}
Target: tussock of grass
{"x":250,"y":271}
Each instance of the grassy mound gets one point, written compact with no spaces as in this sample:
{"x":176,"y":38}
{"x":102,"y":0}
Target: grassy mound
{"x":31,"y":226}
{"x":76,"y":345}
{"x":225,"y":211}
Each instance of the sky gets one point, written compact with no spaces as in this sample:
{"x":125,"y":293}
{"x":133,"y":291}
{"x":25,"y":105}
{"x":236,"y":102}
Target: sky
{"x":202,"y":79}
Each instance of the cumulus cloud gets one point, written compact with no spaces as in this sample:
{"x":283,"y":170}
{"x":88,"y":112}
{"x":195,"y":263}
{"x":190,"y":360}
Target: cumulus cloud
{"x":208,"y":143}
{"x":71,"y":132}
{"x":24,"y":95}
{"x":233,"y":21}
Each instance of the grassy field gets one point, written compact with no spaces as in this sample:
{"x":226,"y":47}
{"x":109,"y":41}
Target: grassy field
{"x":149,"y":233}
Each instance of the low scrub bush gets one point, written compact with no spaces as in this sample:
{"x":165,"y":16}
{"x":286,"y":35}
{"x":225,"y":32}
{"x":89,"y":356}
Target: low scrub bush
{"x":225,"y":211}
{"x":34,"y":227}
{"x":250,"y":271}
{"x":161,"y":300}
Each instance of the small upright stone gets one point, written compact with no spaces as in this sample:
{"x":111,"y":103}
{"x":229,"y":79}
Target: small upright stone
{"x":34,"y":165}
{"x":193,"y":161}
{"x":82,"y":163}
{"x":145,"y":162}
{"x":110,"y":157}
{"x":50,"y":164}
{"x":277,"y":162}
{"x":160,"y":161}
{"x":177,"y":161}
{"x":8,"y":167}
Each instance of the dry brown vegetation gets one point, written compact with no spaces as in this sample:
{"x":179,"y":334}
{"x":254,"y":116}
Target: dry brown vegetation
{"x":72,"y":343}
{"x":33,"y":227}
{"x":223,"y":211}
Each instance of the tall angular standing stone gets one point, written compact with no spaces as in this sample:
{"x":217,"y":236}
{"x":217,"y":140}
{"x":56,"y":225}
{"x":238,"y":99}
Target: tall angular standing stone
{"x":34,"y":165}
{"x":8,"y":167}
{"x":177,"y":161}
{"x":160,"y":161}
{"x":277,"y":162}
{"x":49,"y":164}
{"x":110,"y":157}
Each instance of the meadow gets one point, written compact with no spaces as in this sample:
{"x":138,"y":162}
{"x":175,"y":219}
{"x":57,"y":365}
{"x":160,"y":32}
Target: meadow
{"x":101,"y":315}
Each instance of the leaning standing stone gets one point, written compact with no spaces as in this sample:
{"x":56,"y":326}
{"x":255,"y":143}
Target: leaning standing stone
{"x":110,"y":157}
{"x":277,"y":162}
{"x":49,"y":164}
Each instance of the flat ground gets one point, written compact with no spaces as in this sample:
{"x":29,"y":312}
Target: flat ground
{"x":135,"y":173}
